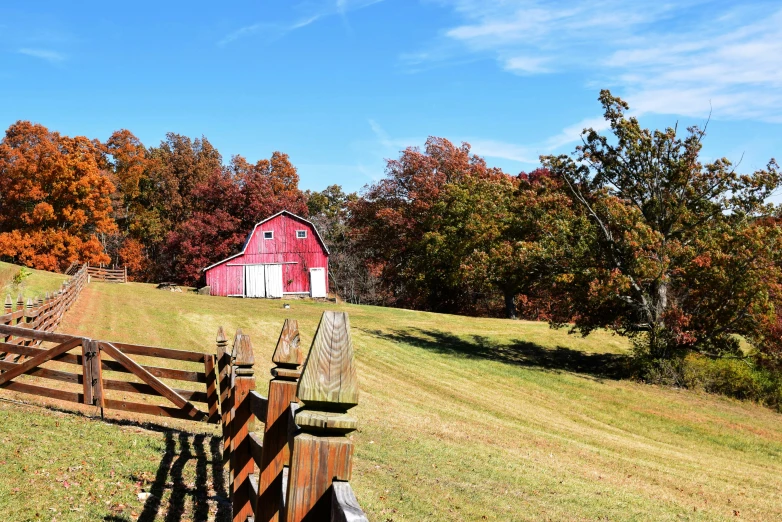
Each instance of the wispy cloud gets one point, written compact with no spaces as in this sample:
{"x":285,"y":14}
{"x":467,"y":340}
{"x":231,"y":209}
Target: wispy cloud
{"x":280,"y":29}
{"x":676,"y":58}
{"x":43,"y":54}
{"x":522,"y":155}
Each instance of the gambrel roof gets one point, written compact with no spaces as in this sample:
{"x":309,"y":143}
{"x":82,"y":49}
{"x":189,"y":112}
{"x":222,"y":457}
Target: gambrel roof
{"x":252,"y":232}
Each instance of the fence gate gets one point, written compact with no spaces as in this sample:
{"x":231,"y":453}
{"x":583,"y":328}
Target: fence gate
{"x":109,"y":377}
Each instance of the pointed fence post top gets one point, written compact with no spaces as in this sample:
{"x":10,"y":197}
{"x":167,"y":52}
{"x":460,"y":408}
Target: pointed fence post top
{"x":20,"y":302}
{"x":29,"y":302}
{"x":221,"y":336}
{"x":244,"y":359}
{"x":329,"y":385}
{"x":288,"y":352}
{"x":9,"y":304}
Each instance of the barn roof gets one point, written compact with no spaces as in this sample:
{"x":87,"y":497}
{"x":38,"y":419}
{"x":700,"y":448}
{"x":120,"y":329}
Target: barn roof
{"x":250,"y":235}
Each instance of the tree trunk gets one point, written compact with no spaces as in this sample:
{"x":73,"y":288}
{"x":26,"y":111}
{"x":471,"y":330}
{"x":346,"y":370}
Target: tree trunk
{"x":510,"y":305}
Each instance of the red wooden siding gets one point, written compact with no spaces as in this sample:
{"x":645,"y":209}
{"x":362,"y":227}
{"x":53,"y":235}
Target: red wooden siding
{"x":297,"y":256}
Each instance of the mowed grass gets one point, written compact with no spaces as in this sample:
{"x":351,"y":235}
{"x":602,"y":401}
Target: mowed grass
{"x":482,"y":419}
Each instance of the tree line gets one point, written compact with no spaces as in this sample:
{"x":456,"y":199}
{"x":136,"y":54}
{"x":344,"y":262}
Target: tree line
{"x":632,"y":232}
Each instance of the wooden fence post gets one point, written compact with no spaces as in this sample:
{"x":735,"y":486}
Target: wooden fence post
{"x":276,"y":449}
{"x":242,"y":424}
{"x":321,"y":452}
{"x":8,"y":308}
{"x":224,"y":382}
{"x":20,"y":306}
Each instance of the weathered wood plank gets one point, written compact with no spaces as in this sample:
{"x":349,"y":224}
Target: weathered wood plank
{"x":87,"y":354}
{"x":97,"y":375}
{"x":224,"y":382}
{"x":259,"y":405}
{"x":329,"y":374}
{"x":256,"y":448}
{"x":150,"y":379}
{"x":212,"y":398}
{"x":146,"y":389}
{"x":242,"y":462}
{"x":148,"y":409}
{"x":321,"y":451}
{"x":157,"y":351}
{"x":163,"y":373}
{"x":45,"y":392}
{"x":39,"y":359}
{"x":46,"y":373}
{"x":344,"y":505}
{"x":33,"y":334}
{"x":276,"y":436}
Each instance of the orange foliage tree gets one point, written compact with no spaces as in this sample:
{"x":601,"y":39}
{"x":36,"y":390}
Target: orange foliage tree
{"x":54,"y":198}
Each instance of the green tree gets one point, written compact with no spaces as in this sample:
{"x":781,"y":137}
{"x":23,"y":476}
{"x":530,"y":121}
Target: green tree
{"x":676,"y":255}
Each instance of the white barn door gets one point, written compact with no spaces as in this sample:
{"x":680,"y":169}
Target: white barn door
{"x":254,"y":281}
{"x":273,"y":280}
{"x":318,"y":282}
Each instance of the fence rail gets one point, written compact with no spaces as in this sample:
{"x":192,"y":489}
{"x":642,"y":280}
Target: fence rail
{"x":109,"y":275}
{"x":297,"y":468}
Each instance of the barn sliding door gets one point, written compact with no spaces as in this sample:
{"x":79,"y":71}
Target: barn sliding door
{"x":318,"y":282}
{"x":254,"y":281}
{"x":273,"y":280}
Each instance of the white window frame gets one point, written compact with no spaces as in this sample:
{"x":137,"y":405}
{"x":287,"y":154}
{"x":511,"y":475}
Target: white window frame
{"x":304,"y":236}
{"x":268,"y":232}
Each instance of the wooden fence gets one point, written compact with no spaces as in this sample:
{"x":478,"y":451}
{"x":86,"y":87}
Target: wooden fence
{"x":299,"y":467}
{"x":42,"y":314}
{"x":109,"y":275}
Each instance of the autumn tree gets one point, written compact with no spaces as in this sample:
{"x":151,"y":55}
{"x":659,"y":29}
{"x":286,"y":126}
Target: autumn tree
{"x":676,"y":255}
{"x":54,"y":198}
{"x":225,"y":207}
{"x":411,"y":229}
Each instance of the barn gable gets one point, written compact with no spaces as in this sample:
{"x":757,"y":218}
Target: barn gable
{"x":283,"y":254}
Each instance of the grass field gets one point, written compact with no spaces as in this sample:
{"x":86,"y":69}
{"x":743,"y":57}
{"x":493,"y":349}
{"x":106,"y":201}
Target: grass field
{"x":36,"y":285}
{"x":460,"y":419}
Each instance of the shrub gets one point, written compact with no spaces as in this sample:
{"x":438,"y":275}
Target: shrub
{"x":738,"y":378}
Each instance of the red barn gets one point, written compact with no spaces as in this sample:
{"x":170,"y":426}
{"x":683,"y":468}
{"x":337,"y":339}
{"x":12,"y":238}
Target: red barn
{"x":283,"y":255}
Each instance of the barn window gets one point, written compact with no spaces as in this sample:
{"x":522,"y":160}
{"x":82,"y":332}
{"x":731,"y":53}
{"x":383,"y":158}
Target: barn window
{"x":301,"y":234}
{"x":268,"y":234}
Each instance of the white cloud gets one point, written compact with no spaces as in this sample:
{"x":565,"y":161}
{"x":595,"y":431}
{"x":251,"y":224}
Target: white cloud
{"x":279,"y":29}
{"x":525,"y":154}
{"x":503,"y":150}
{"x":680,"y":58}
{"x":43,"y":54}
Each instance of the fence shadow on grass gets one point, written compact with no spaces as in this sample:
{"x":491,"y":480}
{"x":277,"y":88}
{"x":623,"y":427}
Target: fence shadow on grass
{"x":173,"y":497}
{"x":517,"y":352}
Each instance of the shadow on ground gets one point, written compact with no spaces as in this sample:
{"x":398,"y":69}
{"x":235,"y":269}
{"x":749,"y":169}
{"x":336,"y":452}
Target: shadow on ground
{"x":190,"y":481}
{"x":516,"y":352}
{"x":173,"y":497}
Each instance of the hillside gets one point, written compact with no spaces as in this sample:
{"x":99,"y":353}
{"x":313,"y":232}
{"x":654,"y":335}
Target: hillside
{"x":464,"y":418}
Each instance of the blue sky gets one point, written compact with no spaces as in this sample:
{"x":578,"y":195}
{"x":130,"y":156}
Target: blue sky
{"x":342,"y":84}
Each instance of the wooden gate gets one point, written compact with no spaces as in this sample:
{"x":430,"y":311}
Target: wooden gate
{"x":108,"y":374}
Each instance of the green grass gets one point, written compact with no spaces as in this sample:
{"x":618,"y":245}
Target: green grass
{"x":36,"y":285}
{"x":475,"y":419}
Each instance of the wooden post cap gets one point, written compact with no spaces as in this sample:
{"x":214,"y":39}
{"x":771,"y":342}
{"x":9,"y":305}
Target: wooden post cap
{"x":8,"y":302}
{"x":287,"y":355}
{"x":29,"y":302}
{"x":244,"y":359}
{"x":329,"y":385}
{"x":20,"y":301}
{"x":329,"y":375}
{"x":221,"y":336}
